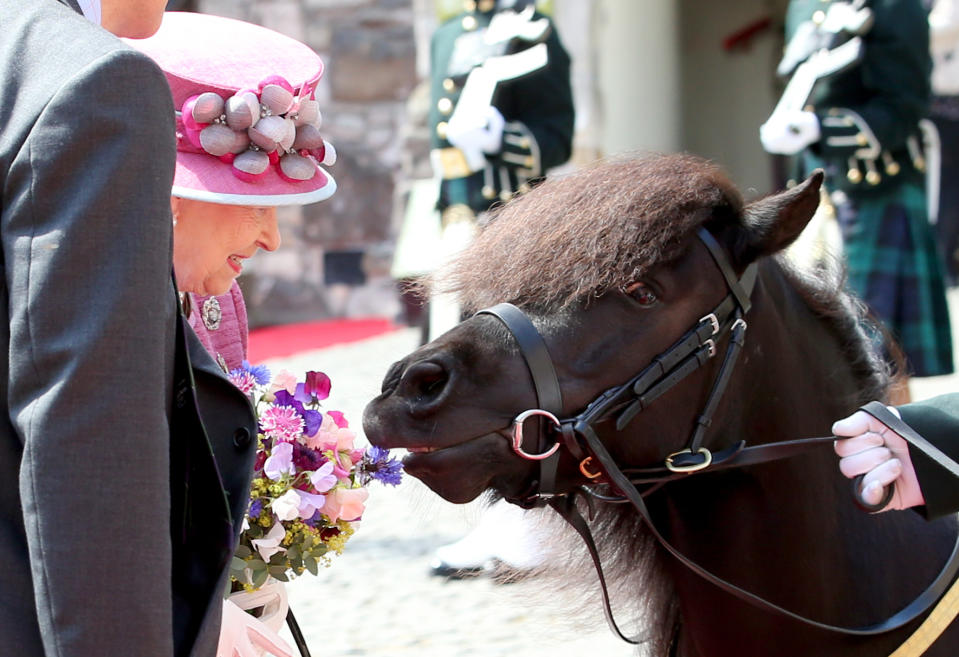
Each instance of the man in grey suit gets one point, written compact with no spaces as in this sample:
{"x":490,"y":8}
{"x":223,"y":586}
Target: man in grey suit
{"x":119,"y":509}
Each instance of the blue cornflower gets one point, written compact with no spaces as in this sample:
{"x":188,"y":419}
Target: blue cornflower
{"x":377,"y":464}
{"x":261,"y":373}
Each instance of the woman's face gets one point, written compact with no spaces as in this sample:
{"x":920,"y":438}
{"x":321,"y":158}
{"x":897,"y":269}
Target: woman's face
{"x":211,"y":242}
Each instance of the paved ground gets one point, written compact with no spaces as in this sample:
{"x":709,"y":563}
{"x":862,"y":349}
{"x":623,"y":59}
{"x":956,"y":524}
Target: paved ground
{"x":377,"y":598}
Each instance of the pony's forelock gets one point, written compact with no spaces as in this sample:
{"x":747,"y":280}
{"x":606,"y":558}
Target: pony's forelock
{"x":580,"y":235}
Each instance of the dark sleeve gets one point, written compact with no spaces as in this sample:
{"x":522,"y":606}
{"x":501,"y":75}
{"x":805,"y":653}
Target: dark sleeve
{"x":936,"y":420}
{"x":894,"y":77}
{"x":86,"y":236}
{"x":539,"y":112}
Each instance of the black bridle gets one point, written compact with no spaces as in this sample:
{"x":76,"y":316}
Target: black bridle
{"x":622,"y":403}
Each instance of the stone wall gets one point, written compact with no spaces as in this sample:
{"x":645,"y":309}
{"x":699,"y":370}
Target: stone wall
{"x":335,"y":255}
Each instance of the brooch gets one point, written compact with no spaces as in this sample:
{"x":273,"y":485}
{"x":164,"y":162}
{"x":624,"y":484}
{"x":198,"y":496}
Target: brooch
{"x":211,"y":314}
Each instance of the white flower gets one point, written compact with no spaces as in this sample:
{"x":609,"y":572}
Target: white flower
{"x":270,"y":544}
{"x":287,"y":506}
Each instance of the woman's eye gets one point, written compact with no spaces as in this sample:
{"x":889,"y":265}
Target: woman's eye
{"x":641,"y":294}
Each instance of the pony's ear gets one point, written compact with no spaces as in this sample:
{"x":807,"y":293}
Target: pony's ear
{"x":774,"y":222}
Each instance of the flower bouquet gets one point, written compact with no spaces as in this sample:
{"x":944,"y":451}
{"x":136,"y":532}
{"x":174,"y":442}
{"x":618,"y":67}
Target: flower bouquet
{"x":309,"y":483}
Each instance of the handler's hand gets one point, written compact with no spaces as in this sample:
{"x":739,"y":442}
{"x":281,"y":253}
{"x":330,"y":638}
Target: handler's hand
{"x":790,"y":132}
{"x":882,"y":455}
{"x":242,"y":635}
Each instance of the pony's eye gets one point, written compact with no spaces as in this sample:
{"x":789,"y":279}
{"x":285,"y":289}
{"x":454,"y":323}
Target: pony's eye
{"x":641,"y":294}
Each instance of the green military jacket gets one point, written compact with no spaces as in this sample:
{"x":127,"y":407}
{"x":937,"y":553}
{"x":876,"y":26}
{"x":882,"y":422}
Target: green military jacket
{"x":936,"y":420}
{"x":538,"y":109}
{"x":869,"y":114}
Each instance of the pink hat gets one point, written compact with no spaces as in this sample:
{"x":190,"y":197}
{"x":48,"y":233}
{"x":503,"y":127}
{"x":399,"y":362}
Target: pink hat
{"x":247,"y":120}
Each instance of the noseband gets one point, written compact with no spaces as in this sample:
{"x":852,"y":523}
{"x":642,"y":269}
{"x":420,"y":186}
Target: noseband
{"x":622,"y":403}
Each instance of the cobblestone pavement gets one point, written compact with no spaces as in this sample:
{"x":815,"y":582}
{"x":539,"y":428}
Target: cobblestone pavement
{"x":378,"y":598}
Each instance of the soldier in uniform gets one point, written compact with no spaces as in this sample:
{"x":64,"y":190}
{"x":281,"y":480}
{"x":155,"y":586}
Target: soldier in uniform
{"x":501,"y":114}
{"x":861,"y":124}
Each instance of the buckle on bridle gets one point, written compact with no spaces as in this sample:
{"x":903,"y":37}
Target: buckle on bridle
{"x":518,"y":434}
{"x":586,"y":473}
{"x":693,"y":467}
{"x":711,"y":317}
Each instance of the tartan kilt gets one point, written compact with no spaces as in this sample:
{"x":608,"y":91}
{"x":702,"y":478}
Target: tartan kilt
{"x":891,"y":256}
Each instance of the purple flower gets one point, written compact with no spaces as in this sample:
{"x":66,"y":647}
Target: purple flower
{"x":310,"y":503}
{"x":305,"y":458}
{"x":311,"y":419}
{"x":256,"y":507}
{"x":323,"y":478}
{"x":260,"y":373}
{"x":317,"y":519}
{"x":377,"y":464}
{"x":280,"y":462}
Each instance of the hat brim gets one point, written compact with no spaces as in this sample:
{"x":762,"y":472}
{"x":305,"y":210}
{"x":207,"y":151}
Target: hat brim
{"x":198,"y":174}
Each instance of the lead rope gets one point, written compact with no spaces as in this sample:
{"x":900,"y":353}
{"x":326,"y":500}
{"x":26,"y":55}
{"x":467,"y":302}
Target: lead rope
{"x":567,"y":509}
{"x":901,"y":618}
{"x":298,"y":637}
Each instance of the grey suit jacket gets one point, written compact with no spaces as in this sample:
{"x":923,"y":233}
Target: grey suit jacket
{"x":100,"y":554}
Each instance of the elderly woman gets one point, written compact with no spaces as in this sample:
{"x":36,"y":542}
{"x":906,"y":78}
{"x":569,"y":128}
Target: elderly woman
{"x":210,"y":244}
{"x":247,"y":141}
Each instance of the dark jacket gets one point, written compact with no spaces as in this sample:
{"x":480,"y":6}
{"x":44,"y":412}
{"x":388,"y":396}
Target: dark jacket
{"x":101,"y":554}
{"x":936,"y":420}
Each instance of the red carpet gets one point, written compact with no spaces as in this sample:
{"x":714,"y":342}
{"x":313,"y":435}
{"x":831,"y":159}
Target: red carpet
{"x":282,"y":341}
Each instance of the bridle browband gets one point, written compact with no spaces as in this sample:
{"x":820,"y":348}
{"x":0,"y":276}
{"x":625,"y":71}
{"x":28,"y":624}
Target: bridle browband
{"x":622,"y":403}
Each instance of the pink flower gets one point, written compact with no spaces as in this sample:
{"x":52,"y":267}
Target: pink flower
{"x":338,"y":418}
{"x":279,"y":462}
{"x":341,"y":473}
{"x":282,"y":423}
{"x":331,"y":436}
{"x":345,"y":503}
{"x":318,"y":385}
{"x":284,"y":380}
{"x":356,"y":455}
{"x":344,"y":440}
{"x":243,"y":380}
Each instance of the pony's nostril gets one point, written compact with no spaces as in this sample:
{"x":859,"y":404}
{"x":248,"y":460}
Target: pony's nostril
{"x":392,"y":378}
{"x":425,"y":380}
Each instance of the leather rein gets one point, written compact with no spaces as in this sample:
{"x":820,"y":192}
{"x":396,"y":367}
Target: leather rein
{"x":577,"y":434}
